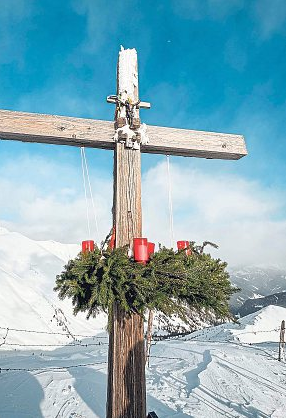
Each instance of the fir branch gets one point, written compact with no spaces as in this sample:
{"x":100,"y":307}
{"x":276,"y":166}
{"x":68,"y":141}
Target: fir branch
{"x":171,"y":283}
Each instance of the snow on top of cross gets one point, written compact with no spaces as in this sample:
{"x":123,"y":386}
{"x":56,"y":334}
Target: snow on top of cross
{"x":127,"y":66}
{"x":258,"y":327}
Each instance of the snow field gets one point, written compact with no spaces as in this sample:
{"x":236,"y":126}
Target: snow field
{"x":185,"y":379}
{"x":226,"y":371}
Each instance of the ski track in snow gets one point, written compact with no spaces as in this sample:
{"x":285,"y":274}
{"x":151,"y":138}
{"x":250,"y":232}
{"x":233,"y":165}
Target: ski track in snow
{"x":206,"y":380}
{"x":211,"y":373}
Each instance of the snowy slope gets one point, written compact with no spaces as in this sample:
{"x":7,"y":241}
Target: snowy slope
{"x":226,"y":371}
{"x":204,"y":378}
{"x":258,"y":327}
{"x":27,"y":301}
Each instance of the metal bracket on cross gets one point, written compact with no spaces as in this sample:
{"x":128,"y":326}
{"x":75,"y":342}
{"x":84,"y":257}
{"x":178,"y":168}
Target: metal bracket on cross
{"x":128,"y":127}
{"x":144,"y":105}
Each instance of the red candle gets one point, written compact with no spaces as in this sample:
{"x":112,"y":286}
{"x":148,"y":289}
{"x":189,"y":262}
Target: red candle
{"x":184,"y":245}
{"x":151,"y":248}
{"x":111,"y":243}
{"x":87,"y":246}
{"x":140,"y":248}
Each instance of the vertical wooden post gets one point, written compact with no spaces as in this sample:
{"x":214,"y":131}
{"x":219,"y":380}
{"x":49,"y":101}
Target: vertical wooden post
{"x":149,"y":337}
{"x":282,"y":342}
{"x":126,"y":392}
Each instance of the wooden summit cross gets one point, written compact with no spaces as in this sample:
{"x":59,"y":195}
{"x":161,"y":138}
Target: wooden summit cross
{"x":126,"y":393}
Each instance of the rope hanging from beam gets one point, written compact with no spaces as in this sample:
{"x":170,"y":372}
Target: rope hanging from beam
{"x":86,"y":180}
{"x":171,"y":217}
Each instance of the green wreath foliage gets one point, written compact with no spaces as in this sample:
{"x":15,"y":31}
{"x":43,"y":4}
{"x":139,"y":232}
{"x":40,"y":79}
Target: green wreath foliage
{"x":171,"y":283}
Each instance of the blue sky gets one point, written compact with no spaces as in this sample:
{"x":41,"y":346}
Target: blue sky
{"x":215,"y":65}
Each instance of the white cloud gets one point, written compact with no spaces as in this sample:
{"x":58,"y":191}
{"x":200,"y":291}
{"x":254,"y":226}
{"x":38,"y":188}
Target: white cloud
{"x":47,"y":200}
{"x":237,"y":214}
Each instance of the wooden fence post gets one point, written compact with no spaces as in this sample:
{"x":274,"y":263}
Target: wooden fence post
{"x":282,"y":342}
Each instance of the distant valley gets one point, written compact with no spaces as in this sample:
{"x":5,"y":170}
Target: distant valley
{"x":260,"y":287}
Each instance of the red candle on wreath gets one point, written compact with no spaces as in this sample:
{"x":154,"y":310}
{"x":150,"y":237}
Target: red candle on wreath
{"x":87,"y":246}
{"x":151,"y":248}
{"x":111,"y":243}
{"x":140,"y":249}
{"x":184,"y":245}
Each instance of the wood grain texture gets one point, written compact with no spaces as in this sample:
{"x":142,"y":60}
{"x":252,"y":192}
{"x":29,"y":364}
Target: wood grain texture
{"x":127,"y":199}
{"x":190,"y":143}
{"x":149,"y":336}
{"x":60,"y":130}
{"x":126,"y":393}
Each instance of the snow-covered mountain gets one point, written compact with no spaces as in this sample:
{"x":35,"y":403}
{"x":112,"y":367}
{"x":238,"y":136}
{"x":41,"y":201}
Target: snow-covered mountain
{"x":27,"y":301}
{"x":29,"y":268}
{"x":53,"y":364}
{"x":253,"y":305}
{"x":258,"y":327}
{"x":255,"y":282}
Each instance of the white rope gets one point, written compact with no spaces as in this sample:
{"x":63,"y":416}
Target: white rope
{"x":91,"y":194}
{"x":85,"y":192}
{"x":172,"y":239}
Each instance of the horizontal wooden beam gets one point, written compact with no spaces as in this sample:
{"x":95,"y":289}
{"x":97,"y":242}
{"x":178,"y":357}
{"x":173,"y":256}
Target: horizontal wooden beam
{"x":61,"y":130}
{"x":189,"y":143}
{"x":58,"y":130}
